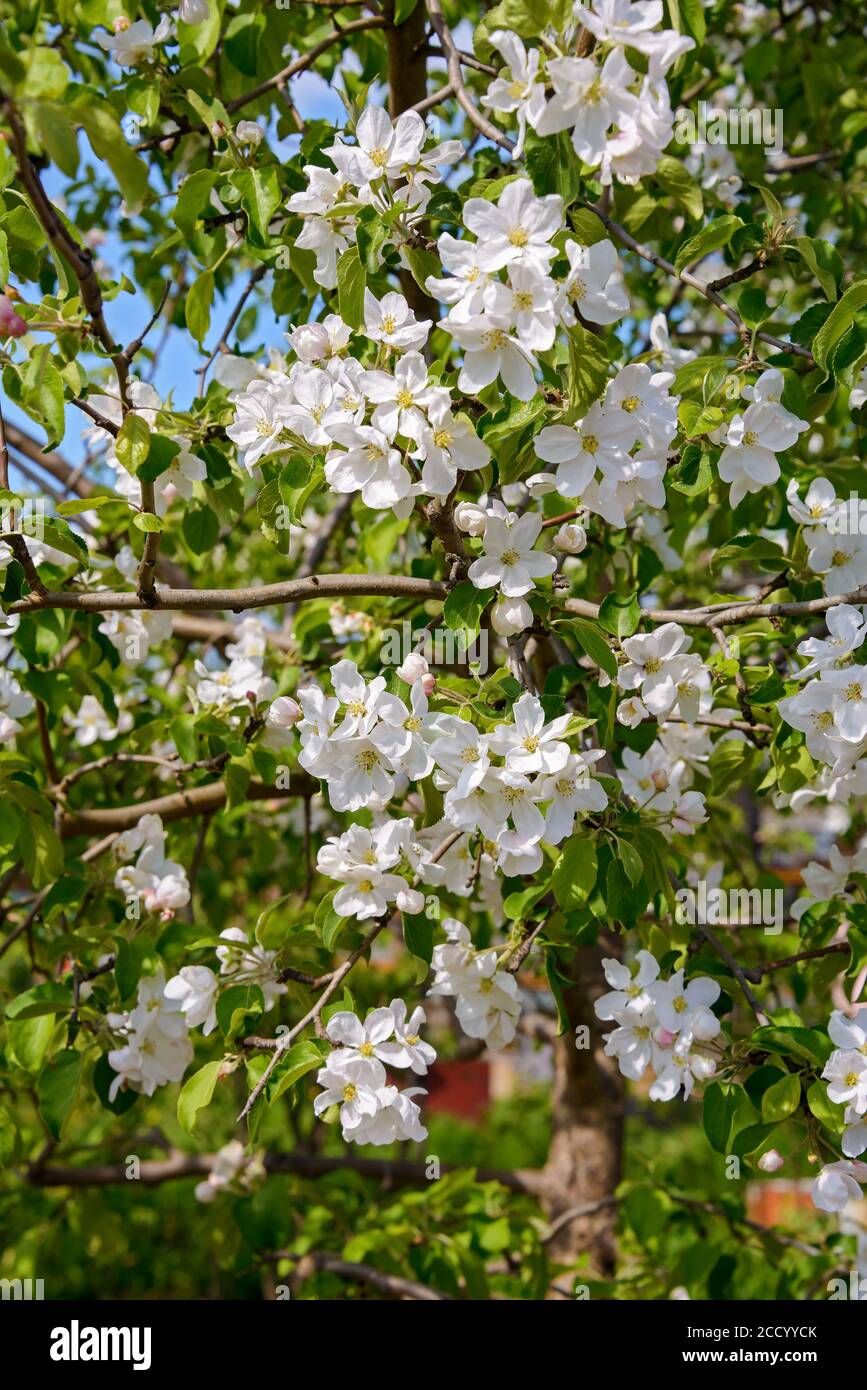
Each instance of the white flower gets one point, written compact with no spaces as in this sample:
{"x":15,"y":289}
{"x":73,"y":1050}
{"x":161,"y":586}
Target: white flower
{"x":683,"y":1066}
{"x":357,"y":1039}
{"x":248,"y":132}
{"x":402,"y":400}
{"x":837,"y":1185}
{"x":391,"y":321}
{"x":509,"y":562}
{"x":490,"y":351}
{"x":518,"y":228}
{"x":593,"y":287}
{"x":155,"y":1047}
{"x":849,"y":1033}
{"x":632,"y":1041}
{"x":408,"y":1049}
{"x":588,"y":100}
{"x":135,"y":43}
{"x":352,"y":1083}
{"x":385,"y":149}
{"x":530,"y":744}
{"x":847,"y":1074}
{"x":369,"y":464}
{"x":195,"y":988}
{"x":249,"y":965}
{"x":518,"y":88}
{"x":841,"y":559}
{"x":629,"y":990}
{"x":229,"y":1162}
{"x":848,"y":629}
{"x":464,"y":288}
{"x":258,"y":423}
{"x":572,"y":792}
{"x":361,"y":859}
{"x":91,"y":723}
{"x":753,"y":441}
{"x":686,"y":1007}
{"x":666,"y":357}
{"x":526,"y":304}
{"x":490,"y":1006}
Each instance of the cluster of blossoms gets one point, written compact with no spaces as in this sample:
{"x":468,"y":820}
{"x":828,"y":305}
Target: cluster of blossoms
{"x":754,"y":437}
{"x":243,"y":681}
{"x":91,"y":724}
{"x":155,"y":1046}
{"x":616,"y":456}
{"x":388,"y":169}
{"x":362,"y":740}
{"x":833,"y":533}
{"x":831,"y":709}
{"x":620,"y":120}
{"x":846,"y":1074}
{"x":504,"y":305}
{"x":390,"y":435}
{"x":233,"y":1168}
{"x":655,"y":780}
{"x":715,"y":168}
{"x":158,"y":884}
{"x":671,"y":681}
{"x":827,"y":883}
{"x":661,"y":1024}
{"x":487,"y":1000}
{"x":354,"y":1077}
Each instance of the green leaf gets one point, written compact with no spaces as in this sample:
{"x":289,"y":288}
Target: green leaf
{"x":712,"y":237}
{"x":200,"y":528}
{"x":297,"y":1061}
{"x":49,"y":998}
{"x":781,"y":1099}
{"x":592,"y":643}
{"x":575,"y":873}
{"x":823,"y":261}
{"x":351,"y":281}
{"x":197,"y":306}
{"x":418,"y":935}
{"x":464,"y":606}
{"x":57,"y":1089}
{"x":674,"y":177}
{"x":133,"y":443}
{"x":841,"y":318}
{"x":104,"y":132}
{"x":197,"y":1093}
{"x":422,"y":264}
{"x":721,"y":1100}
{"x":588,"y":369}
{"x":260,"y":197}
{"x":237,"y":1007}
{"x":620,"y":614}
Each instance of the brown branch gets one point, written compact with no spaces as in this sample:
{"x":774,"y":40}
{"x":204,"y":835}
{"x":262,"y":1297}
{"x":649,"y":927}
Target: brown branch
{"x":392,"y":1284}
{"x":181,"y":805}
{"x":756,"y":972}
{"x":79,"y":258}
{"x":456,"y":82}
{"x":255,"y":276}
{"x":153,"y":1172}
{"x":260,"y":596}
{"x":687,"y":277}
{"x":278,"y":80}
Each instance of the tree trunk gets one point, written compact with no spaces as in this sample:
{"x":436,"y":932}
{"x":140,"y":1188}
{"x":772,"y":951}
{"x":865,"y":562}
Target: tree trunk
{"x":407,"y":85}
{"x":584,"y":1160}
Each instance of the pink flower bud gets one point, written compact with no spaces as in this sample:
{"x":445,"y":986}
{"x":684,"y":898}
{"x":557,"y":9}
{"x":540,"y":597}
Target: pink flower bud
{"x":11,"y":324}
{"x":429,"y":683}
{"x":284,"y":712}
